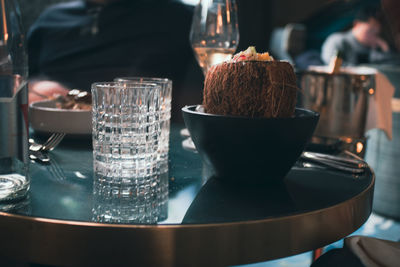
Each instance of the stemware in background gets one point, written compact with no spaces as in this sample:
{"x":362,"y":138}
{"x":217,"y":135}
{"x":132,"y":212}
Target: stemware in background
{"x":214,"y":34}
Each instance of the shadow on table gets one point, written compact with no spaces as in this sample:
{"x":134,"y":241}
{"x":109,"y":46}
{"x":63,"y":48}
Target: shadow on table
{"x":219,"y":202}
{"x":303,"y":190}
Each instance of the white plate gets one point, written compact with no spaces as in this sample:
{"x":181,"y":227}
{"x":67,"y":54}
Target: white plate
{"x":45,"y":117}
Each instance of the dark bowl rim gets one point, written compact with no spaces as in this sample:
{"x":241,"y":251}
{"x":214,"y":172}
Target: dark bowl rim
{"x":307,"y":114}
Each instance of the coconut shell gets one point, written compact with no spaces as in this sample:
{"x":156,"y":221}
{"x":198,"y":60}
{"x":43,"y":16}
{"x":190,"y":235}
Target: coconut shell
{"x":251,"y":88}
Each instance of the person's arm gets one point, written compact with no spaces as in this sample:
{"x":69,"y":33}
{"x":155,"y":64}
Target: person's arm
{"x":42,"y":90}
{"x":382,"y":45}
{"x":330,"y":47}
{"x":40,"y":87}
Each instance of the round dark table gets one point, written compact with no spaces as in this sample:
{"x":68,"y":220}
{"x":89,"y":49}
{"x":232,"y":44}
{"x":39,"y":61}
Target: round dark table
{"x":203,"y":223}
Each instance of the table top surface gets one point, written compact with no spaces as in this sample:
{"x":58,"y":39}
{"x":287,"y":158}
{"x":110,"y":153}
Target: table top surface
{"x":64,"y":189}
{"x":62,"y":195}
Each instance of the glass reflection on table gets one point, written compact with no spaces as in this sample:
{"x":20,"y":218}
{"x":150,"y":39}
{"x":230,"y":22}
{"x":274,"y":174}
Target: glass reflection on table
{"x":114,"y":205}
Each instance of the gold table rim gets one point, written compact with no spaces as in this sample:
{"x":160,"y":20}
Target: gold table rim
{"x":358,"y":207}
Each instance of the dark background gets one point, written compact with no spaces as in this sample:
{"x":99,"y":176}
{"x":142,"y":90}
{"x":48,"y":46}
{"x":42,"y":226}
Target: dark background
{"x":275,"y":12}
{"x":257,"y":18}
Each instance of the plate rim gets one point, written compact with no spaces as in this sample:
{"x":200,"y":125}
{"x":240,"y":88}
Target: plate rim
{"x":33,"y":105}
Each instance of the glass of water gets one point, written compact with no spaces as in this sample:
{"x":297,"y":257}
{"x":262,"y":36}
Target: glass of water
{"x":165,"y":114}
{"x":126,"y":136}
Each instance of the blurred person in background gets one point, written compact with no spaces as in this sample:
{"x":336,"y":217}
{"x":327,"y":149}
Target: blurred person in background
{"x":361,"y":44}
{"x":345,"y":256}
{"x":73,"y":44}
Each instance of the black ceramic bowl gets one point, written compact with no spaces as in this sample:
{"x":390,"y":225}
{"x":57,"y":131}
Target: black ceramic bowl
{"x":250,"y":150}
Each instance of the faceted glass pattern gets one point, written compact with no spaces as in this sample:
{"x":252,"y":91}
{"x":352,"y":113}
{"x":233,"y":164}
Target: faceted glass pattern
{"x":165,"y":114}
{"x":126,"y":133}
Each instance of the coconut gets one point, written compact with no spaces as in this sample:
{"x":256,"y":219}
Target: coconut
{"x":251,"y":88}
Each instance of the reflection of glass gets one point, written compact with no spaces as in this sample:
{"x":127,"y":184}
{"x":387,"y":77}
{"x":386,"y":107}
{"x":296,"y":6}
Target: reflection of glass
{"x":20,"y":206}
{"x":214,"y":34}
{"x":145,"y":206}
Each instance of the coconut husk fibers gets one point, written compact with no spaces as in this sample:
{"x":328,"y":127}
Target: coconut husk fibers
{"x":251,"y":88}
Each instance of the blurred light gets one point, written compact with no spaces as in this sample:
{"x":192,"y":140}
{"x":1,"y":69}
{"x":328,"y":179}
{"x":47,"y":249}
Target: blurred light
{"x":80,"y":175}
{"x":220,"y":23}
{"x":371,"y":91}
{"x":359,"y":147}
{"x":228,"y":12}
{"x":190,"y":2}
{"x":69,"y":203}
{"x":348,"y":140}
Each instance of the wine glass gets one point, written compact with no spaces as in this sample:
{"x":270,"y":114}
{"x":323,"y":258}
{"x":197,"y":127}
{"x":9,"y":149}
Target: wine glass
{"x":214,"y":34}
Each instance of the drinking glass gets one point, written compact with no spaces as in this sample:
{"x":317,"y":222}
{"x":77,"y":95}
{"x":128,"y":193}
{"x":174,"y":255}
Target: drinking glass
{"x":214,"y":34}
{"x":165,"y":114}
{"x":125,"y":138}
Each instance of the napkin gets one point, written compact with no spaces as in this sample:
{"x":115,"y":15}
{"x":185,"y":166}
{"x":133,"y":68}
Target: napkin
{"x":374,"y":252}
{"x":379,"y":113}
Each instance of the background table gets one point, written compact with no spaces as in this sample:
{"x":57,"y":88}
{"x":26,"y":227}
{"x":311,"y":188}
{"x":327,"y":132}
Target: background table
{"x":208,"y":223}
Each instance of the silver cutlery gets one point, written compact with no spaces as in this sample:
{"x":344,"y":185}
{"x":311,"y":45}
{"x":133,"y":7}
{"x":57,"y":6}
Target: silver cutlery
{"x":346,"y":161}
{"x":38,"y":152}
{"x":354,"y":166}
{"x":49,"y":145}
{"x":39,"y":156}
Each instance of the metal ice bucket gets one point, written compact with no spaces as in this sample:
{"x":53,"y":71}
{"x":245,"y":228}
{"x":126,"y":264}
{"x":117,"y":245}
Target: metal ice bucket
{"x":342,"y":101}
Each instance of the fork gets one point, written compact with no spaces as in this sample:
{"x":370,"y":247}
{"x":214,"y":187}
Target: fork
{"x":49,"y":145}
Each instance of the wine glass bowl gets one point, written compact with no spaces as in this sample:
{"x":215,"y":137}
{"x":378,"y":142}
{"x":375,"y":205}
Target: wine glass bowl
{"x":214,"y":33}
